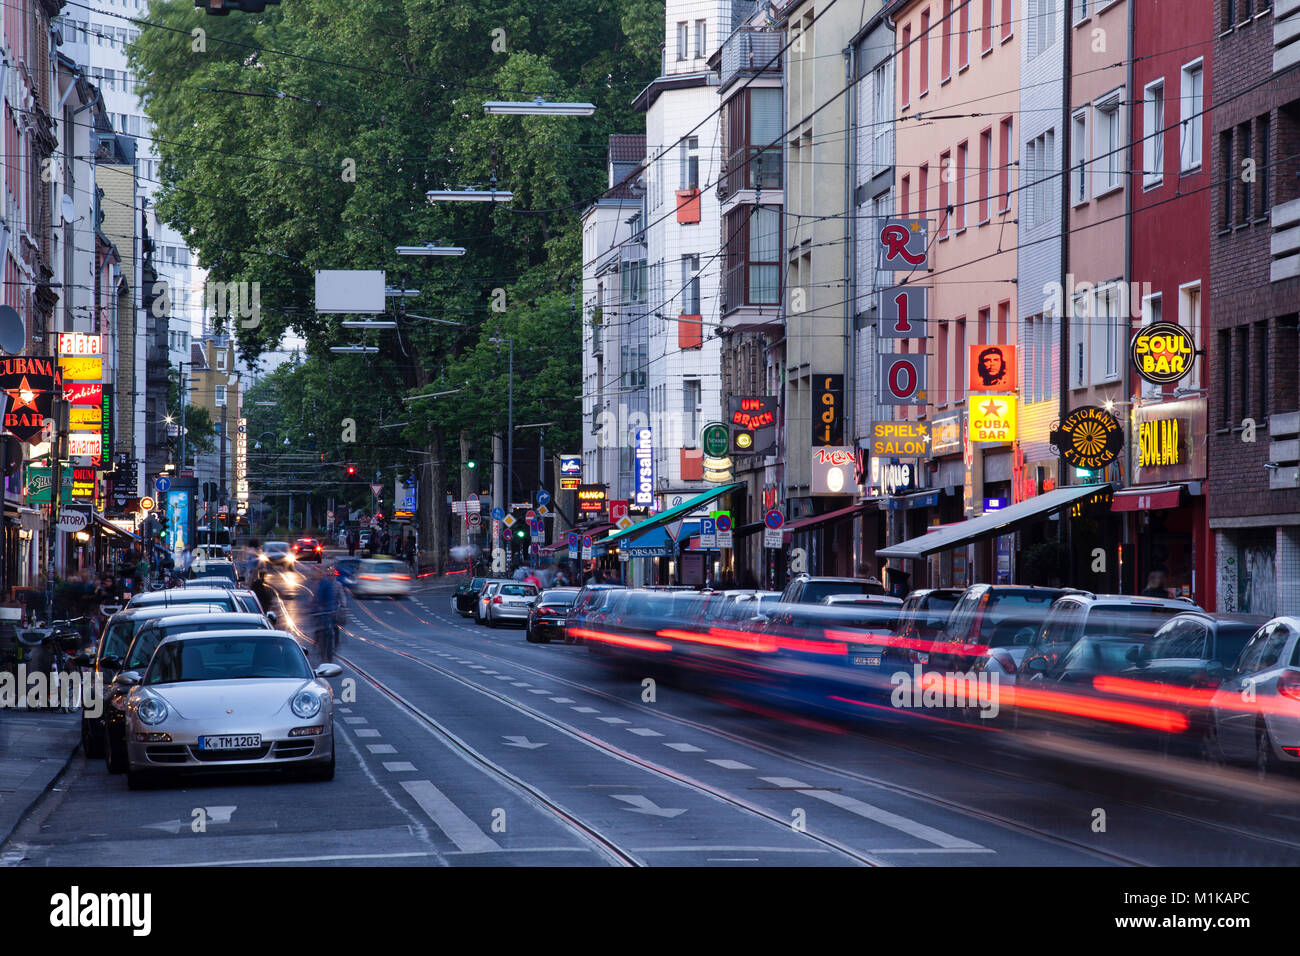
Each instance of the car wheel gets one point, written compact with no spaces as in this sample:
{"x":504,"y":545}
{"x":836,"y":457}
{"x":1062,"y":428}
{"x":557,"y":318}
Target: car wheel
{"x":114,"y":761}
{"x":1211,"y":752}
{"x":91,"y":742}
{"x":1266,"y":762}
{"x":491,"y":621}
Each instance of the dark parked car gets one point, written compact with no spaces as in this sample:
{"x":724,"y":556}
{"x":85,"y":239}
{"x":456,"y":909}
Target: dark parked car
{"x":992,"y":621}
{"x":924,"y":616}
{"x":547,"y":614}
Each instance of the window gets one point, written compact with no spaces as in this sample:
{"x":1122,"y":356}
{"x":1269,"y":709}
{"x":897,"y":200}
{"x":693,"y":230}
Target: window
{"x":1153,"y":136}
{"x":221,"y":396}
{"x":986,"y":144}
{"x":962,"y":150}
{"x":691,"y":403}
{"x":764,"y":256}
{"x":1228,"y":176}
{"x":924,"y":79}
{"x":982,"y":331}
{"x":1007,"y":22}
{"x":1080,"y":10}
{"x":1004,"y":175}
{"x":883,"y":105}
{"x":690,"y":285}
{"x":986,"y":26}
{"x":1079,"y":161}
{"x":1152,"y":312}
{"x":683,"y":37}
{"x":1242,"y":347}
{"x":945,"y":54}
{"x":701,"y":38}
{"x":1225,"y":375}
{"x":1229,"y":14}
{"x":906,"y":84}
{"x":1004,"y":322}
{"x":1262,"y":155}
{"x":963,"y":36}
{"x":221,"y":360}
{"x":942,"y":363}
{"x":945,"y":176}
{"x":959,"y":354}
{"x":1041,"y":17}
{"x":1108,"y":314}
{"x":904,"y":195}
{"x":1243,"y":137}
{"x":1082,"y":310}
{"x":923,"y":190}
{"x":689,"y":163}
{"x":1109,"y":148}
{"x":1189,"y":126}
{"x":1261,"y":363}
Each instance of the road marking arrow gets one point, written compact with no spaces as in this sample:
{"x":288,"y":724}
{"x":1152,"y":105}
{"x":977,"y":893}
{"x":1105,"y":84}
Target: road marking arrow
{"x":640,"y":804}
{"x":522,"y":742}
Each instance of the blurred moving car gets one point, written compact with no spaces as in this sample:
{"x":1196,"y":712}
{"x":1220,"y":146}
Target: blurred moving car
{"x":308,"y":549}
{"x":382,"y":576}
{"x":806,"y":589}
{"x":465,"y":595}
{"x":140,"y":653}
{"x":992,"y":622}
{"x":278,"y":554}
{"x":547,"y":614}
{"x":229,"y":700}
{"x":346,"y":569}
{"x":588,"y":609}
{"x":924,"y":616}
{"x":745,"y":607}
{"x":1255,"y":712}
{"x":509,"y":601}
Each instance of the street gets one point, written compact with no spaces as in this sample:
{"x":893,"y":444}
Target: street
{"x":461,"y":745}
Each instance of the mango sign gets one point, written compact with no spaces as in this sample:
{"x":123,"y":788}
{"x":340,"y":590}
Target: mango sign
{"x":1162,"y":352}
{"x":993,"y":418}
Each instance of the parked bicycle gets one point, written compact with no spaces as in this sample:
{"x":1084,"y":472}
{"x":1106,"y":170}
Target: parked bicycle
{"x":51,"y":649}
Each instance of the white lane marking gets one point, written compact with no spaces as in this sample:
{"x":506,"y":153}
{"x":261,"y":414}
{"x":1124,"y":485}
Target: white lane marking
{"x":528,"y":849}
{"x":732,"y":859}
{"x":561,"y":700}
{"x":367,"y":732}
{"x":730,"y":849}
{"x":489,"y":672}
{"x":644,"y":732}
{"x":612,"y":720}
{"x":939,"y":849}
{"x":307,"y":859}
{"x":686,"y":748}
{"x":538,"y":690}
{"x":726,"y":764}
{"x":398,"y":766}
{"x":460,"y":829}
{"x":585,"y":710}
{"x":521,"y":684}
{"x":381,"y":748}
{"x":502,"y":676}
{"x":355,"y":720}
{"x":877,"y":814}
{"x":642,"y":804}
{"x":345,"y":710}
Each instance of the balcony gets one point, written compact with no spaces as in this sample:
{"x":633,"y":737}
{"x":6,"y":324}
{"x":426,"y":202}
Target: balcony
{"x":752,"y":167}
{"x":750,"y":51}
{"x":751,"y":297}
{"x":1285,"y":244}
{"x":1284,"y":451}
{"x":1286,"y":34}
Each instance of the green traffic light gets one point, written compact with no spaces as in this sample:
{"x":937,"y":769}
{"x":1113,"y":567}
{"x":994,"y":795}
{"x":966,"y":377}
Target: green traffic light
{"x":471,"y":465}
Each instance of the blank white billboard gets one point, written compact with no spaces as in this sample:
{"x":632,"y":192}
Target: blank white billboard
{"x":350,"y":290}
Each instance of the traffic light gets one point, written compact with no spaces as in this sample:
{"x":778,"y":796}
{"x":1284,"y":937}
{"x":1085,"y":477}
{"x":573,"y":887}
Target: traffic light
{"x":219,"y":8}
{"x":471,"y":464}
{"x":520,"y":533}
{"x":352,"y":471}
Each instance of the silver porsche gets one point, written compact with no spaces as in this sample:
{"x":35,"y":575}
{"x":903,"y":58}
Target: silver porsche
{"x":231,"y":700}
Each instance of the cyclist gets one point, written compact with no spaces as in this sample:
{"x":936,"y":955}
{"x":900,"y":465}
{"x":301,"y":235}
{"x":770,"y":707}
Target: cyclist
{"x":328,"y":598}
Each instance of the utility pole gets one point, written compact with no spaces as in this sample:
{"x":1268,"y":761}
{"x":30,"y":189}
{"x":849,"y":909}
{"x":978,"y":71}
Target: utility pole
{"x":184,"y":392}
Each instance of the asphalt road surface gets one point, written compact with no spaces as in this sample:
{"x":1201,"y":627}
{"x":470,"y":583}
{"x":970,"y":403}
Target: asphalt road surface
{"x":460,"y":745}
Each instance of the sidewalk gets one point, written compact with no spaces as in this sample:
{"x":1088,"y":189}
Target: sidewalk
{"x":35,"y":746}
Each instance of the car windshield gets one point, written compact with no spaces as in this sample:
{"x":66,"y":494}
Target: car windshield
{"x":477,"y":584}
{"x":182,"y":596}
{"x":556,"y":598}
{"x":814,"y":591}
{"x":150,"y":637}
{"x":519,"y":590}
{"x":227,"y":658}
{"x":272,"y":547}
{"x":210,"y":570}
{"x":390,"y":567}
{"x":117,"y":637}
{"x":1011,"y":617}
{"x":1127,"y":622}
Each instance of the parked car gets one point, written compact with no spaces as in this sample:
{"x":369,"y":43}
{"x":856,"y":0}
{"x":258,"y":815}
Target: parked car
{"x":547,"y":614}
{"x":110,"y":651}
{"x":924,"y":616}
{"x":229,"y":700}
{"x":806,"y":589}
{"x":367,"y":539}
{"x":991,"y":622}
{"x":308,"y":549}
{"x":1255,"y":712}
{"x":741,"y":608}
{"x":210,"y":582}
{"x":510,"y":601}
{"x":278,"y":554}
{"x":466,"y":593}
{"x":209,"y":568}
{"x":147,"y":638}
{"x":379,"y":576}
{"x":478,"y":598}
{"x":169,"y":597}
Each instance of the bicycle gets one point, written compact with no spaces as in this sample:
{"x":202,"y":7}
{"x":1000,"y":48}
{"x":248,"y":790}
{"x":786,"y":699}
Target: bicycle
{"x":52,"y":650}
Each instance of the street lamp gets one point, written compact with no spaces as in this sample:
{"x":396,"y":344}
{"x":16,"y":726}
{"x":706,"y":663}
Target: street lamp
{"x":468,"y":195}
{"x":537,"y":107}
{"x":510,"y":421}
{"x":368,"y":324}
{"x":429,"y":249}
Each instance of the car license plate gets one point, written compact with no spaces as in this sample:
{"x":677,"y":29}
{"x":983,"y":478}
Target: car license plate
{"x":862,"y":660}
{"x":230,"y":742}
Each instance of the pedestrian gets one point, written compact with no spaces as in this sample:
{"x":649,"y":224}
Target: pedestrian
{"x":1156,"y":585}
{"x":352,"y":545}
{"x":328,"y":609}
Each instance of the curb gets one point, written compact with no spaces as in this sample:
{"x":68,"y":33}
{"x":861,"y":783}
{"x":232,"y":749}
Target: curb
{"x":10,"y":821}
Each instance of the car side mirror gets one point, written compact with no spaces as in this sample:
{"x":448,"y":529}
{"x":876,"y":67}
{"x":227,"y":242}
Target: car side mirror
{"x":328,"y":670}
{"x":82,"y":660}
{"x":1134,"y":654}
{"x":110,"y":662}
{"x":1037,"y":664}
{"x":127,"y":679}
{"x":272,"y":616}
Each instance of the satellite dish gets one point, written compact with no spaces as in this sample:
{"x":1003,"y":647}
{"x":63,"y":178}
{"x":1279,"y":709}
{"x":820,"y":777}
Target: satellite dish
{"x":69,"y":209}
{"x":13,"y":334}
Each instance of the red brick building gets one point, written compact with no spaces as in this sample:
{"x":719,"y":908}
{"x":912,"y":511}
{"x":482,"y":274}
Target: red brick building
{"x":1254,"y":382}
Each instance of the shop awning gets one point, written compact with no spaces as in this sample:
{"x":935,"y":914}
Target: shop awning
{"x":595,"y":531}
{"x":991,"y":524}
{"x":671,"y":514}
{"x":656,"y":543}
{"x":812,"y":521}
{"x":1147,"y":498}
{"x":109,"y":526}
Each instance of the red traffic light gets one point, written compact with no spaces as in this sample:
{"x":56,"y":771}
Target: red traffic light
{"x":352,"y":470}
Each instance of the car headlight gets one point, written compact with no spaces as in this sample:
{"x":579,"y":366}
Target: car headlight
{"x":151,"y":710}
{"x":306,"y":703}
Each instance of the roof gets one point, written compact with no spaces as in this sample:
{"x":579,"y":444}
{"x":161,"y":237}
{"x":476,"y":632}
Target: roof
{"x":626,"y":147}
{"x":198,"y":360}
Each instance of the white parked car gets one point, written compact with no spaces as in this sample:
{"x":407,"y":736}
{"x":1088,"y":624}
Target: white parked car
{"x":376,"y":577}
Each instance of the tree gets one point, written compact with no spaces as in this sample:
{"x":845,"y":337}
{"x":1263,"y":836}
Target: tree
{"x":200,"y":432}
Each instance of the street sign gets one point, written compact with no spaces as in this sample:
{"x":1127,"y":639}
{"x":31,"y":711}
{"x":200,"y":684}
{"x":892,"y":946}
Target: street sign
{"x":473,"y":502}
{"x":708,"y":533}
{"x":498,"y":514}
{"x":162,"y":483}
{"x":530,"y":515}
{"x":772,"y":537}
{"x":475,"y":519}
{"x":508,"y":521}
{"x":574,"y":543}
{"x":586,"y":547}
{"x":146,"y":504}
{"x":774,"y":519}
{"x":543,"y":498}
{"x":73,"y":520}
{"x":543,"y":511}
{"x":376,"y":489}
{"x":617,"y":511}
{"x":329,"y":516}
